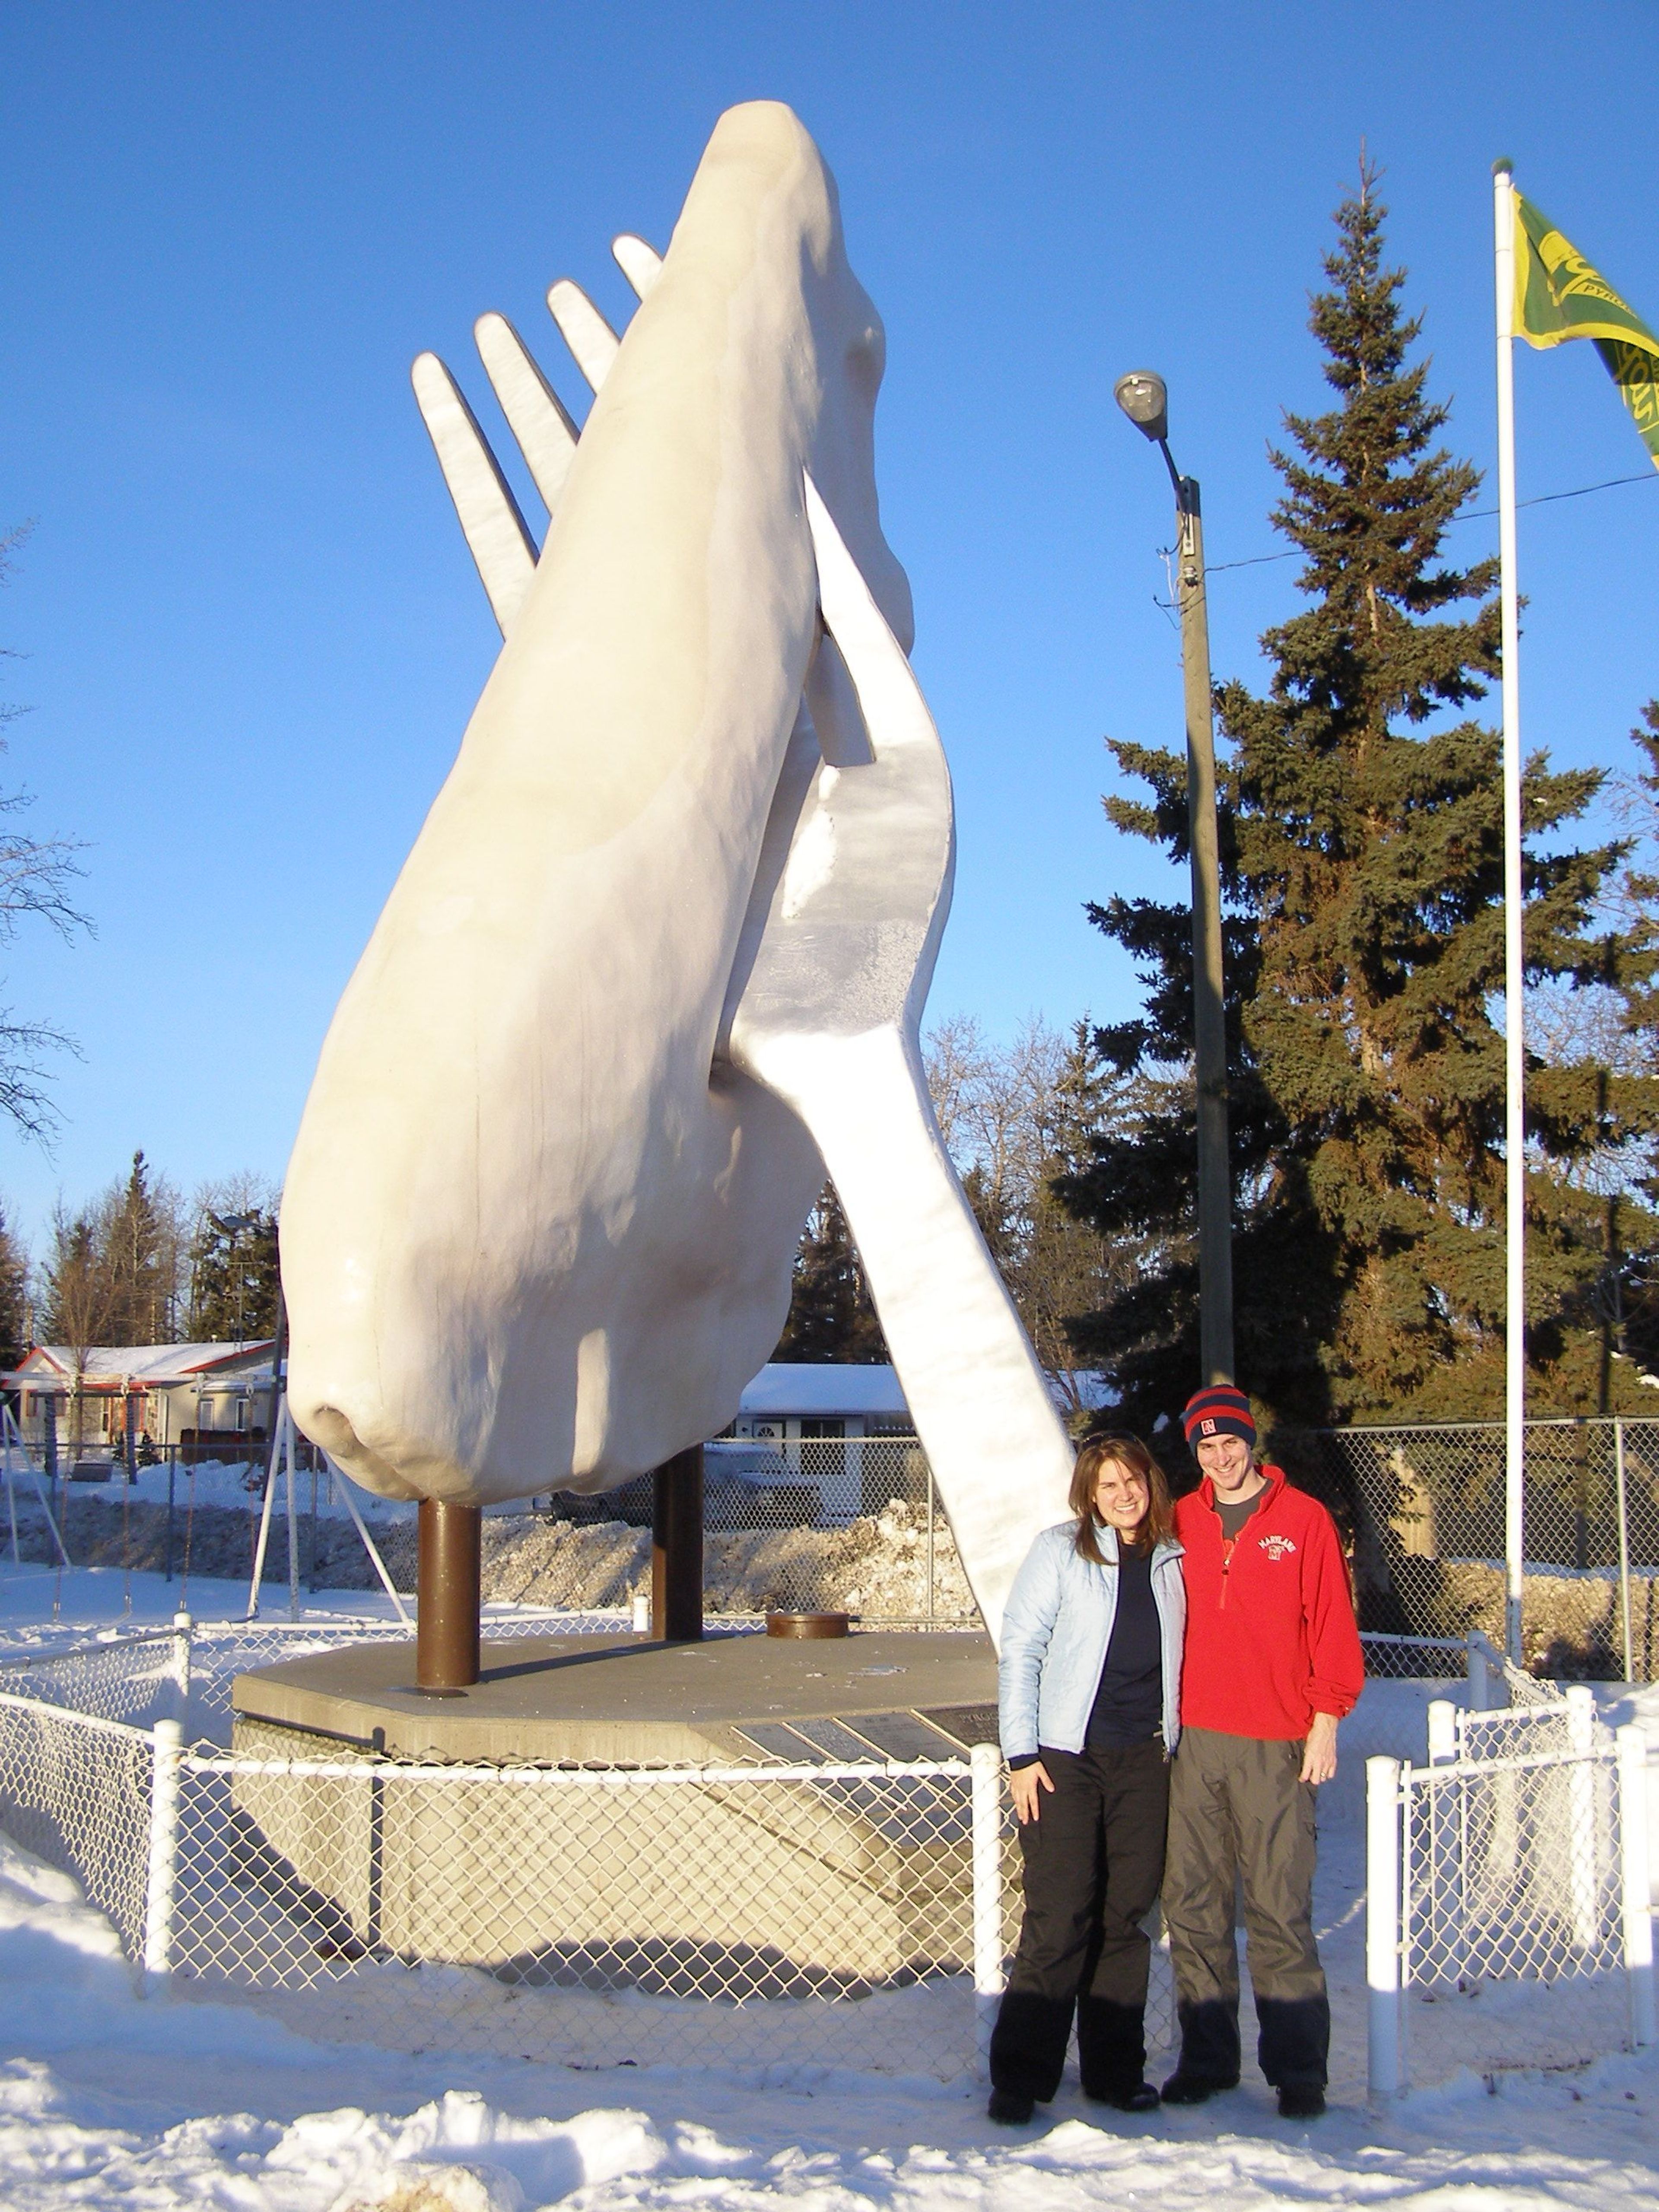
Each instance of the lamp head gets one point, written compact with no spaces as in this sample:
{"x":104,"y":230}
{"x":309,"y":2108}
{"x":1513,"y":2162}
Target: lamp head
{"x":1145,"y":400}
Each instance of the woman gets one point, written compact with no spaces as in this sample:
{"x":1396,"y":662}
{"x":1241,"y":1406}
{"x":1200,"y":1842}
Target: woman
{"x":1089,"y":1686}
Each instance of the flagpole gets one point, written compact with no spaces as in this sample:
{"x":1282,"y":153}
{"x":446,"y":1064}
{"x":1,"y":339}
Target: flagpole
{"x":1515,"y":1123}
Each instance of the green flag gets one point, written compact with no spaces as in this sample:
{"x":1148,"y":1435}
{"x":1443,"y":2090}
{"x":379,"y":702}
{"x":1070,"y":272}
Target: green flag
{"x":1558,"y":295}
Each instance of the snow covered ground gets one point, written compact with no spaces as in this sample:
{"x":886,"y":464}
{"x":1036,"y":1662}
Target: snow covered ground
{"x":109,"y":2101}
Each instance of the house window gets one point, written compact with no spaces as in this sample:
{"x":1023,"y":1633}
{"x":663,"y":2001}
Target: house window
{"x":241,"y":1415}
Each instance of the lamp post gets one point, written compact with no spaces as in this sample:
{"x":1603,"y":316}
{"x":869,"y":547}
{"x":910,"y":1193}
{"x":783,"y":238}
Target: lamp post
{"x":1145,"y":400}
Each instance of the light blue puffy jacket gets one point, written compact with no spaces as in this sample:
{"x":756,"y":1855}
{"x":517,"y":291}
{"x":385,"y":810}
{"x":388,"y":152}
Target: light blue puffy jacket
{"x":1054,"y":1633}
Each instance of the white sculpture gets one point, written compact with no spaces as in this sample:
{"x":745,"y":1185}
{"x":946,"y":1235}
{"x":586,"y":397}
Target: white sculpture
{"x":666,"y":933}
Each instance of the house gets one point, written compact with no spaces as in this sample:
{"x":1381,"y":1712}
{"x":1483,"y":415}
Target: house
{"x":843,"y":1432}
{"x":212,"y":1400}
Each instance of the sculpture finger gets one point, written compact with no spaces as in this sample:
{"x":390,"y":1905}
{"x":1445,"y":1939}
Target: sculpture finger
{"x":641,"y":264}
{"x":495,"y":531}
{"x":546,"y":434}
{"x":584,"y":329}
{"x":890,"y":699}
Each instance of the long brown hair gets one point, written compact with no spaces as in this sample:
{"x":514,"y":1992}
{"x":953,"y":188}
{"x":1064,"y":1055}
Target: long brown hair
{"x":1130,"y":1453}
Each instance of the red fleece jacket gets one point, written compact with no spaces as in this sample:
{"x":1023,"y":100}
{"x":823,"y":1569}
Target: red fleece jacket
{"x":1271,"y":1636}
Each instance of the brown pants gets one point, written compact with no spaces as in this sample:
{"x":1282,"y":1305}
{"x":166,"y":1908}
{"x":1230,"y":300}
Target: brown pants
{"x":1239,"y":1814}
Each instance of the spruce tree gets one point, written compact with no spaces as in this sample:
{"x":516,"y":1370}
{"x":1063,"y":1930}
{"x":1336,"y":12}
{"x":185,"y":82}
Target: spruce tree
{"x":1362,"y":851}
{"x":1629,"y":1299}
{"x":233,"y":1276}
{"x":832,"y":1315}
{"x":14,"y":1295}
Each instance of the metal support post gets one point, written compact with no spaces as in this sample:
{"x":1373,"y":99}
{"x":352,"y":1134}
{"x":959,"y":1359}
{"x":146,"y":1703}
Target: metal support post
{"x":1383,"y":2071}
{"x":1476,"y":1667}
{"x":985,"y":1761}
{"x":677,"y":1549}
{"x":1581,"y":1814}
{"x":1515,"y":975}
{"x":1636,"y":1881}
{"x":369,"y":1545}
{"x":1623,"y":1500}
{"x":182,"y":1627}
{"x":1215,"y":1246}
{"x":930,"y":1543}
{"x":49,"y":1459}
{"x":1443,"y":1732}
{"x":264,"y":1537}
{"x":169,"y":1754}
{"x":449,"y":1595}
{"x":286,"y":1427}
{"x":11,"y":1493}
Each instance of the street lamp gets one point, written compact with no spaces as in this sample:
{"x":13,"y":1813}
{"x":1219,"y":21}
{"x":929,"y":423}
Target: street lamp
{"x":1145,"y":399}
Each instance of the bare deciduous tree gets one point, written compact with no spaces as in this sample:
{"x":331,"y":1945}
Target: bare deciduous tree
{"x":1014,"y":1117}
{"x":35,"y":879}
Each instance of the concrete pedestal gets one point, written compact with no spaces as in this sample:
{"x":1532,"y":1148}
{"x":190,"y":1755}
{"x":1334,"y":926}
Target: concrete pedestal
{"x":740,"y":1891}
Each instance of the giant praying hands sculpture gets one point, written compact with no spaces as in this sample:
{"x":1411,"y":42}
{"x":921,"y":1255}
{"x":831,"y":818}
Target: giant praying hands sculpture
{"x":660,"y":952}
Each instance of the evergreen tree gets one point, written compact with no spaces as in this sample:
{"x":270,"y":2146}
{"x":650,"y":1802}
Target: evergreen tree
{"x":832,"y":1315}
{"x":234,"y":1275}
{"x":1362,"y":854}
{"x":1629,"y":1300}
{"x":14,"y":1295}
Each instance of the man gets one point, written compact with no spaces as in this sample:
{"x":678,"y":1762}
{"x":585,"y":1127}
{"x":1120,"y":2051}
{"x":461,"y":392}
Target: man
{"x":1272,"y":1664}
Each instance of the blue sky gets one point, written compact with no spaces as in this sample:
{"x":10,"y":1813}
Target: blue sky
{"x":251,"y":634}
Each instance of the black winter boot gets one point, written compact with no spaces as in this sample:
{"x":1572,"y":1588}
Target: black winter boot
{"x":1111,"y":2048}
{"x":1209,"y":2052}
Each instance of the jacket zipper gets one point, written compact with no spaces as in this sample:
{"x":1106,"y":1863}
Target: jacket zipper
{"x":1229,"y":1545}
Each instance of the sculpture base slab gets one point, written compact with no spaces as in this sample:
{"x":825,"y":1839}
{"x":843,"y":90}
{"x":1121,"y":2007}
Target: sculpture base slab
{"x":759,"y":1890}
{"x":622,"y":1699}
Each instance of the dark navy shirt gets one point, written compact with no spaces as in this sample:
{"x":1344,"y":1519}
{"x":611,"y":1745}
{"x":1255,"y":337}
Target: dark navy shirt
{"x":1128,"y":1706}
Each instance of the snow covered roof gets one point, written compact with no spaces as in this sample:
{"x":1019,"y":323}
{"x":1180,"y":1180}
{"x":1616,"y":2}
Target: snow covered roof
{"x":786,"y":1387}
{"x":155,"y":1366}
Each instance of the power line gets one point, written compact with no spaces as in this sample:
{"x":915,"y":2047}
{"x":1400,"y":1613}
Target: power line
{"x":1474,"y":515}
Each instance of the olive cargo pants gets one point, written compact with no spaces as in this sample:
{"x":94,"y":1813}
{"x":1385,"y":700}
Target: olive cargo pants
{"x":1240,"y":1813}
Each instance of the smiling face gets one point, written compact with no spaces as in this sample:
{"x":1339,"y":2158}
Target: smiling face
{"x":1120,"y":1498}
{"x":1226,"y":1461}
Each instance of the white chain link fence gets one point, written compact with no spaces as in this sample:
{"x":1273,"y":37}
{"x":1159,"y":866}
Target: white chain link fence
{"x":856,"y":1914}
{"x":1507,"y":1915}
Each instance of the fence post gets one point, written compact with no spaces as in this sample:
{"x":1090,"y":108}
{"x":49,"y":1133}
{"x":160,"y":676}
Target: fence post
{"x":1636,"y":1881}
{"x":169,"y":1740}
{"x":1622,"y":1501}
{"x":1476,"y":1670}
{"x":1443,"y":1732}
{"x":930,"y":1543}
{"x":1581,"y":1801}
{"x":182,"y":1625}
{"x":1382,"y":1816}
{"x":986,"y":1761}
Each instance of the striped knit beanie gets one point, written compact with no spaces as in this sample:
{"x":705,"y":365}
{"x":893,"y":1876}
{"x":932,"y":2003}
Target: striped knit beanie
{"x":1217,"y":1410}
